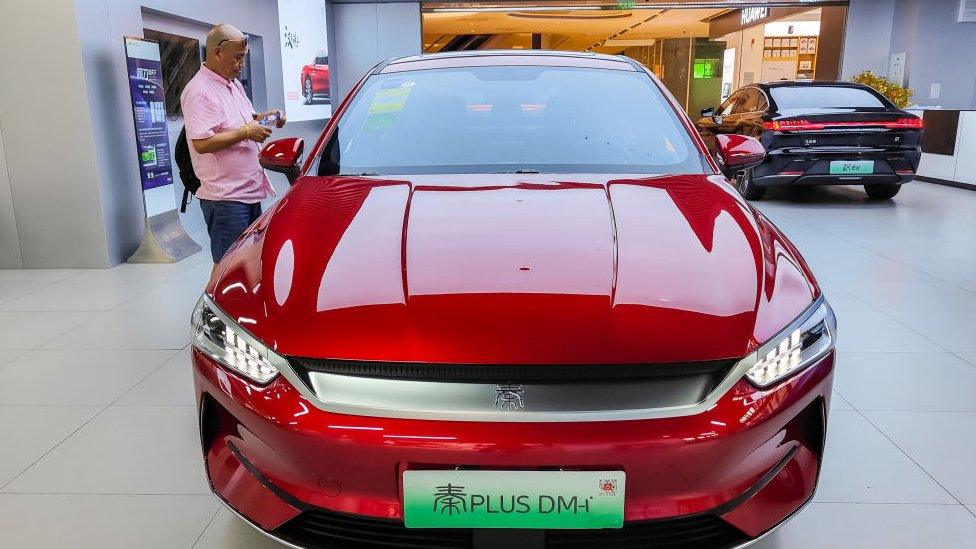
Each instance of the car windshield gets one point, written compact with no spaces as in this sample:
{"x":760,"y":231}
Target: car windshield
{"x":505,"y":119}
{"x":811,"y":99}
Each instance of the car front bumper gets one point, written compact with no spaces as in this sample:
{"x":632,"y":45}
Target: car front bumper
{"x":310,"y":477}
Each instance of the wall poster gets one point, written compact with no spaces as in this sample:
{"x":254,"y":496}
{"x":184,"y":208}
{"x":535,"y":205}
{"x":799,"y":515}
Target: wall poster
{"x":305,"y":59}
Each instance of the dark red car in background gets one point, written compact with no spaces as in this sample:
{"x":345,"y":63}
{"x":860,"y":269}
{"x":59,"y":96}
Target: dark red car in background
{"x":496,"y":309}
{"x":315,"y":79}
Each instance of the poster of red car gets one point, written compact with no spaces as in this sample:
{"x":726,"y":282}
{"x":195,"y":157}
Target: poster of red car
{"x":304,"y":59}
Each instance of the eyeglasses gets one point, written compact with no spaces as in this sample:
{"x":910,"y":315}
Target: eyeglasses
{"x":221,"y":43}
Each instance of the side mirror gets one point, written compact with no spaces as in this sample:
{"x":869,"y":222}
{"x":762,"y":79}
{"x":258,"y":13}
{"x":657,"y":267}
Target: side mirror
{"x":283,"y":156}
{"x":708,"y":113}
{"x":739,"y":151}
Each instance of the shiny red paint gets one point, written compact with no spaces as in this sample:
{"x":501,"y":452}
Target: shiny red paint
{"x":526,"y":269}
{"x":251,"y":498}
{"x":674,"y":466}
{"x":282,"y":153}
{"x":363,"y":268}
{"x":739,"y":150}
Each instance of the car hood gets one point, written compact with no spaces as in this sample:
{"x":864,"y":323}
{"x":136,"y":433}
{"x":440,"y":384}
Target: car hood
{"x":513,"y":269}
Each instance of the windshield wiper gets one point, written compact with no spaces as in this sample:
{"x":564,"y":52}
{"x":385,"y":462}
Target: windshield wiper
{"x":357,"y":174}
{"x":523,"y":170}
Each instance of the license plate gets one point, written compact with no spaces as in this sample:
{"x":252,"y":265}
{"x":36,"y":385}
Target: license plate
{"x":851,"y":167}
{"x":513,"y":499}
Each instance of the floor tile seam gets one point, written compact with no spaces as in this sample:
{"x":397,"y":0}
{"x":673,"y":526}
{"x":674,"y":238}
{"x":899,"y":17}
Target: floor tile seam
{"x":969,"y":362}
{"x":910,"y":457}
{"x":909,"y":410}
{"x":66,"y":331}
{"x":207,"y":527}
{"x":18,"y":354}
{"x":147,"y":376}
{"x":4,"y":486}
{"x":53,"y":311}
{"x":903,"y":503}
{"x":153,"y":405}
{"x":46,"y":347}
{"x":923,"y":310}
{"x":43,"y":285}
{"x":847,"y":240}
{"x":190,"y":263}
{"x":927,"y":353}
{"x":853,"y":296}
{"x":137,"y":293}
{"x":842,"y":397}
{"x":896,"y":320}
{"x":112,"y":309}
{"x":98,"y":405}
{"x":124,"y":391}
{"x":134,"y":296}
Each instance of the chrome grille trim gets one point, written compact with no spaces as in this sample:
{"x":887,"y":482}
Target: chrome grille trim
{"x":387,"y":403}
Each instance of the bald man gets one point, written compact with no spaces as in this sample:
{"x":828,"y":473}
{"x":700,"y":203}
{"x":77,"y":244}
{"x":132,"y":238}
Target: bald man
{"x":225,"y":132}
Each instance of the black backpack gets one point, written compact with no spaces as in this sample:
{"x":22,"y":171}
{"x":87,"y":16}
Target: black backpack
{"x":190,"y":180}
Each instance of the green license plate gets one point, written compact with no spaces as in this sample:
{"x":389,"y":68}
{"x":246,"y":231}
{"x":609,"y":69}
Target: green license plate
{"x":851,"y":167}
{"x":513,"y":499}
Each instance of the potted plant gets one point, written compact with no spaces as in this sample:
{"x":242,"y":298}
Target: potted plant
{"x":901,"y":96}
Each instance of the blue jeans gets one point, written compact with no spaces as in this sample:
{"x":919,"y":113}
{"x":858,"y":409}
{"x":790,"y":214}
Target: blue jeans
{"x":226,"y":221}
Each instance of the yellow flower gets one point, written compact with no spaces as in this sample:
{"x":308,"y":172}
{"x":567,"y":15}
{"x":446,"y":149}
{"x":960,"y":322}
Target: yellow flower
{"x":901,"y":96}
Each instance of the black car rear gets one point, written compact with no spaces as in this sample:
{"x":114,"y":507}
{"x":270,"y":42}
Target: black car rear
{"x":824,"y":134}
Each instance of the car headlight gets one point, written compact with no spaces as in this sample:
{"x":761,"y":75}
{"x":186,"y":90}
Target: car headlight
{"x":803,"y":343}
{"x":219,"y":337}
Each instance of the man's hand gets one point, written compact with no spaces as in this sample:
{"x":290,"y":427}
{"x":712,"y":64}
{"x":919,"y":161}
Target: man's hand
{"x":224,"y":140}
{"x":256,"y":132}
{"x":273,"y":112}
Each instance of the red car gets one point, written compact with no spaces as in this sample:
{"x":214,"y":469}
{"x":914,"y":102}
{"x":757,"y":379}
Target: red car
{"x":510,"y":300}
{"x":315,"y":79}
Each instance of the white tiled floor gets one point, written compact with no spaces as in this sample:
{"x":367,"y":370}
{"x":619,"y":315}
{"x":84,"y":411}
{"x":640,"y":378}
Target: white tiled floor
{"x":89,"y":359}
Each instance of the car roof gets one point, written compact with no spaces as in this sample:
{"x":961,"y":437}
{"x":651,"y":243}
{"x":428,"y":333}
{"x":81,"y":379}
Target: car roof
{"x":796,"y":84}
{"x":488,"y":58}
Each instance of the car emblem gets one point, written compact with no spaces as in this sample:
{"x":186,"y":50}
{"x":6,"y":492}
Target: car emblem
{"x":509,"y":397}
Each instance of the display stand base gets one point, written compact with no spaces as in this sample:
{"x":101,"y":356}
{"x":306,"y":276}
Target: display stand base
{"x":165,"y":241}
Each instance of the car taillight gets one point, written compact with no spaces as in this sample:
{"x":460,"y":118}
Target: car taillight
{"x":792,"y":126}
{"x":806,"y":125}
{"x":906,"y":123}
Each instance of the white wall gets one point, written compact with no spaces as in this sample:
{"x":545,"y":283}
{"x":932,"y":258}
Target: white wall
{"x":734,"y":42}
{"x":867,"y":46}
{"x":939,"y":50}
{"x":367,"y":33}
{"x":48,"y":138}
{"x":751,"y":52}
{"x":9,"y":239}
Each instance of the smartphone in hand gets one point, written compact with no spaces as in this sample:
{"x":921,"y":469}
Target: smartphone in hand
{"x":271,"y":121}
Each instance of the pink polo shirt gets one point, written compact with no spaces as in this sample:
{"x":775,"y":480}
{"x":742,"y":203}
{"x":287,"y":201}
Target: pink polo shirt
{"x":212,"y":104}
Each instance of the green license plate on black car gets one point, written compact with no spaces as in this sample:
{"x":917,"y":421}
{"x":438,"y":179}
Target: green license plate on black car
{"x":513,"y":499}
{"x":852,"y":167}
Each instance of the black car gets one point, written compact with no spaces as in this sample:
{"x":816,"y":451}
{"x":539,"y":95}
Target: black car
{"x":819,"y":133}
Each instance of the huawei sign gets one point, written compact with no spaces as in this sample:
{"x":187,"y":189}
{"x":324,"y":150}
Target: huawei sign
{"x":751,"y":15}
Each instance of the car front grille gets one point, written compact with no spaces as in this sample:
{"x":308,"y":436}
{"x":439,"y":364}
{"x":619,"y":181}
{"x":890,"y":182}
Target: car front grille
{"x":699,"y":531}
{"x":544,"y":392}
{"x":318,"y":528}
{"x":324,"y":529}
{"x":517,"y":373}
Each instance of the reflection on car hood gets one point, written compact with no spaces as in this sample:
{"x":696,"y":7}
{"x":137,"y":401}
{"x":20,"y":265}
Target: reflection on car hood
{"x":517,"y":268}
